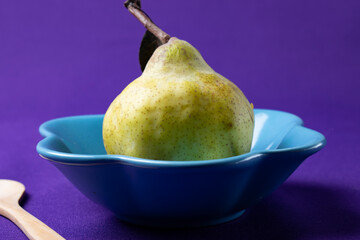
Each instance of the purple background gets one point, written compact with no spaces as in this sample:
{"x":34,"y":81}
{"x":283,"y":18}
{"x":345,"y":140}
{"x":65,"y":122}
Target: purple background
{"x":62,"y":58}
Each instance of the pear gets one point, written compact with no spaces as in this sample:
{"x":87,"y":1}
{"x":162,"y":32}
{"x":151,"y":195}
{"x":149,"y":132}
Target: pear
{"x":179,"y":109}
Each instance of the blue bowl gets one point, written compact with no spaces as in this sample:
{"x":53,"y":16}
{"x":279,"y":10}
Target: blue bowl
{"x":178,"y":193}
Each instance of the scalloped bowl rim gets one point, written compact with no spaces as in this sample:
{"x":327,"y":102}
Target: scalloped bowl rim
{"x":92,"y":159}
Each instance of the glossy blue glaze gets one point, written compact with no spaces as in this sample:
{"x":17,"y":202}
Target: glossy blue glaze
{"x":178,"y":193}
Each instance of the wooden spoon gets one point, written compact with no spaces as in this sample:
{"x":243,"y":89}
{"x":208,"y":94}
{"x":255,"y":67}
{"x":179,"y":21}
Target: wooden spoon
{"x":34,"y":229}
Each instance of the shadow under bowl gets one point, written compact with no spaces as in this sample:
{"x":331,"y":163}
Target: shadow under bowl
{"x":178,"y":193}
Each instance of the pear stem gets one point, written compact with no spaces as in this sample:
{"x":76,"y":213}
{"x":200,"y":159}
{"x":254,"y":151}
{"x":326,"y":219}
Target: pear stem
{"x":134,"y":8}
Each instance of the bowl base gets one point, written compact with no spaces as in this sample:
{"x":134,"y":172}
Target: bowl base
{"x":181,"y":224}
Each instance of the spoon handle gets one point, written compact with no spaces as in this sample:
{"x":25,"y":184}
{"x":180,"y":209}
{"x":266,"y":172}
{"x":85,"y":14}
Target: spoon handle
{"x":33,"y":228}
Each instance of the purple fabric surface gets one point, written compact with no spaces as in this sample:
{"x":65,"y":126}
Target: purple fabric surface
{"x":63,"y":58}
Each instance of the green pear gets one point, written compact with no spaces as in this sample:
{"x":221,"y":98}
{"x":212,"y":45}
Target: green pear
{"x":179,"y":109}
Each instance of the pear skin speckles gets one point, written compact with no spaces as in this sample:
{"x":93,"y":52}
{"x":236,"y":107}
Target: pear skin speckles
{"x":179,"y":109}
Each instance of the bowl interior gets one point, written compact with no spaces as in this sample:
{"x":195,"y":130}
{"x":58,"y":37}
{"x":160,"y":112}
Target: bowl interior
{"x":78,"y":135}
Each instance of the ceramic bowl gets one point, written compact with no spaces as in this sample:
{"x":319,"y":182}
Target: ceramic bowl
{"x":178,"y":193}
